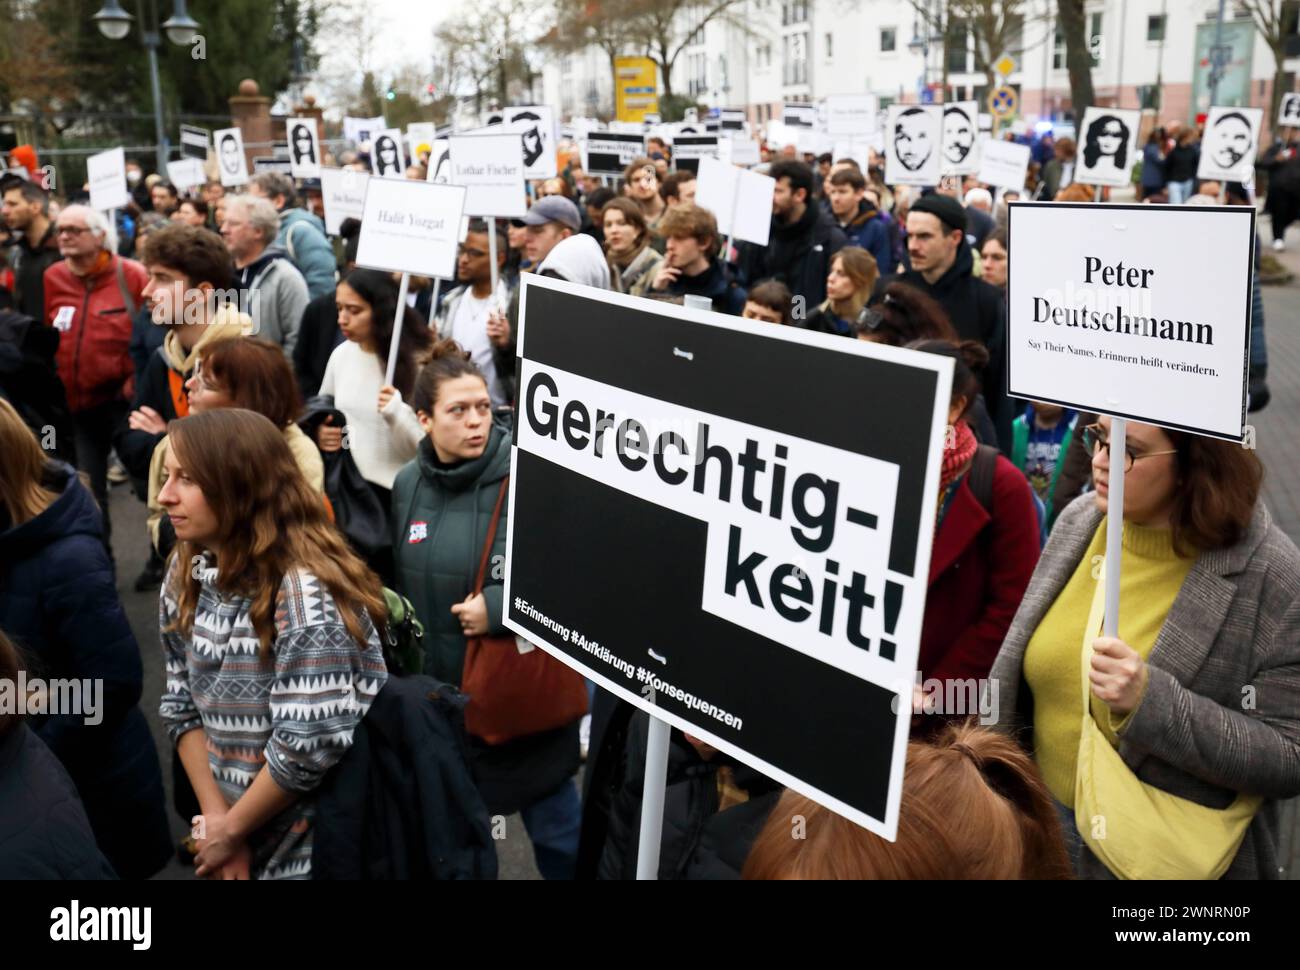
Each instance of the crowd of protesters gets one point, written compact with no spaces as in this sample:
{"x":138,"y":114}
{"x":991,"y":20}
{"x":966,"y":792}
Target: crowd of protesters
{"x":303,"y":510}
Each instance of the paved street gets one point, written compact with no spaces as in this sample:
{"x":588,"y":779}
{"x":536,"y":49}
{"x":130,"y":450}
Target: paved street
{"x":1276,"y":436}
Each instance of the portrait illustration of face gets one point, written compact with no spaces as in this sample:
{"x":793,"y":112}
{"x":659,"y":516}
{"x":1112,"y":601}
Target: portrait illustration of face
{"x":531,"y":137}
{"x":1106,"y":142}
{"x":1292,"y":109}
{"x":958,"y":135}
{"x":302,"y":144}
{"x":913,"y":139}
{"x":230,"y":154}
{"x":386,"y":153}
{"x":1233,"y":141}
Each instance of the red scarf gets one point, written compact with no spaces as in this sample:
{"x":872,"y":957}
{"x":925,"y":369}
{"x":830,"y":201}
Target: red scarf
{"x":957,"y":454}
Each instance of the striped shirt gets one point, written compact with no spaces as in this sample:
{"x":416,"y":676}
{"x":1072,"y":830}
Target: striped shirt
{"x":293,"y":708}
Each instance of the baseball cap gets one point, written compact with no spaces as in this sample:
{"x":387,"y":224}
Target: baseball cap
{"x":552,"y":208}
{"x":945,"y":208}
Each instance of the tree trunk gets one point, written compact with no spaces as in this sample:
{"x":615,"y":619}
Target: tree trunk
{"x":1078,"y":58}
{"x":1279,"y":88}
{"x":666,"y":69}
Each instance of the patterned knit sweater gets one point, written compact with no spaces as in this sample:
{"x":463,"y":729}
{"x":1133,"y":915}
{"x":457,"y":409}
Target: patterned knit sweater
{"x":293,"y":708}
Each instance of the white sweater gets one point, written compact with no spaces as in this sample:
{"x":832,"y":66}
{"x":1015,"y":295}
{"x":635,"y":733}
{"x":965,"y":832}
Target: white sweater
{"x":380,"y":442}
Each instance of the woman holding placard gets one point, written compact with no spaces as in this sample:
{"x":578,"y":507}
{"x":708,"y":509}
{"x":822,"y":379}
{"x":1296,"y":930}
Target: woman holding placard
{"x":450,"y":520}
{"x":382,"y":432}
{"x":1169,"y":747}
{"x":633,"y":263}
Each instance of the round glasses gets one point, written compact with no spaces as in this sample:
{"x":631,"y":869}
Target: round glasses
{"x":1095,"y":438}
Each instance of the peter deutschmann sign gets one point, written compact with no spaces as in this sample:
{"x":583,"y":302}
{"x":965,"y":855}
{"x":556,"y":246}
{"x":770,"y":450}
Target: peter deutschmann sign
{"x":1137,"y":311}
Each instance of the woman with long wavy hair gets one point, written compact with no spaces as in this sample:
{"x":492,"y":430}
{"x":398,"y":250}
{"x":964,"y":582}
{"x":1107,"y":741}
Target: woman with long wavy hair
{"x":269,"y":630}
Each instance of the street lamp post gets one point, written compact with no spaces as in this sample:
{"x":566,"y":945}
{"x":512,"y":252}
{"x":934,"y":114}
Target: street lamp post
{"x":115,"y":23}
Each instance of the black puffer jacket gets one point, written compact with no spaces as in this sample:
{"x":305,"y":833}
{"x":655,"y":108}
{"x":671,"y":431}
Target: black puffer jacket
{"x":798,"y":254}
{"x":698,"y":842}
{"x":44,"y":833}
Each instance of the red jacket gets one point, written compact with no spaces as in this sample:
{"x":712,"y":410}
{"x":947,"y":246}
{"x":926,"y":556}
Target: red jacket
{"x":979,"y":570}
{"x":93,"y":359}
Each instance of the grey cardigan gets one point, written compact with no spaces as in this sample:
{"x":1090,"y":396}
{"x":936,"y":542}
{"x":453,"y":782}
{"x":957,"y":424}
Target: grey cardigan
{"x":1221,"y":710}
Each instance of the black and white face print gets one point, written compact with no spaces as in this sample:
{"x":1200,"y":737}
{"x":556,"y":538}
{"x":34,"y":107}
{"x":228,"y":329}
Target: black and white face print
{"x":1288,"y":115}
{"x":1230,"y":143}
{"x":304,"y":148}
{"x":1107,"y":146}
{"x":230,"y":156}
{"x":536,"y":126}
{"x":960,"y":138}
{"x":386,"y":154}
{"x":914,"y":144}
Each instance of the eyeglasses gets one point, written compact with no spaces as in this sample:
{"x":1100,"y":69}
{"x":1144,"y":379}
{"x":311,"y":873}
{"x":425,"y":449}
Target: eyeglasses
{"x":71,"y":230}
{"x":1095,"y":438}
{"x":471,"y":253}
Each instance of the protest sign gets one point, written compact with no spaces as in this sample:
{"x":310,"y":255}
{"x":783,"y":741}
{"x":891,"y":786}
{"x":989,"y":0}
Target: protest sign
{"x":961,"y":154}
{"x":610,"y":152}
{"x":849,"y":115}
{"x":106,"y":173}
{"x":1136,"y":311}
{"x":535,"y":125}
{"x":304,"y":148}
{"x":740,"y":200}
{"x":1289,"y":111}
{"x":744,"y":150}
{"x":797,"y":115}
{"x":440,"y":161}
{"x":730,"y":119}
{"x":194,"y":142}
{"x":343,"y":192}
{"x":387,"y":159}
{"x":186,"y":173}
{"x":1109,"y":148}
{"x":270,"y":163}
{"x":787,"y":530}
{"x":231,"y":161}
{"x":1004,"y":164}
{"x":361,"y":130}
{"x":1230,"y":144}
{"x":913,"y":142}
{"x":491,"y":167}
{"x":689,"y":149}
{"x":419,"y":133}
{"x":410,"y":227}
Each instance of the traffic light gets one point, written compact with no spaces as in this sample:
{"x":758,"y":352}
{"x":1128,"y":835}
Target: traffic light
{"x":430,"y":88}
{"x":392,"y":94}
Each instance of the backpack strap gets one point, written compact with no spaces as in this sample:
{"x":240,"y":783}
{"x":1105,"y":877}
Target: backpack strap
{"x":122,"y":288}
{"x":980,"y":476}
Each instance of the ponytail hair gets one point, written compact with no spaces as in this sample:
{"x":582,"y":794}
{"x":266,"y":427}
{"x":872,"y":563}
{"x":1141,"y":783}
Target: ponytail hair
{"x":970,"y":358}
{"x":447,"y":360}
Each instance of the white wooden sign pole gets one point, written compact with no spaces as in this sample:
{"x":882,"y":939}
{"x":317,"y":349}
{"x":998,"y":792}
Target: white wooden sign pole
{"x":398,"y":317}
{"x":1115,"y":523}
{"x":652,"y":799}
{"x":492,"y":253}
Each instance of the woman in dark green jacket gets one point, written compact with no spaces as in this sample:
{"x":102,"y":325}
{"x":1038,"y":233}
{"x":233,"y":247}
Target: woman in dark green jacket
{"x":442,"y":508}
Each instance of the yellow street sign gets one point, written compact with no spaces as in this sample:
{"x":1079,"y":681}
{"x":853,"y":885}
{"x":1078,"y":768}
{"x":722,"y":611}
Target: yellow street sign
{"x":1003,"y":102}
{"x":636,"y":88}
{"x":1004,"y":65}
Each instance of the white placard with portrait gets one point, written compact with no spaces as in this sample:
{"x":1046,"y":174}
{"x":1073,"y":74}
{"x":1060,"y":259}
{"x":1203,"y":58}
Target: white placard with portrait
{"x":913,"y":143}
{"x":961,"y":154}
{"x":1230,"y":143}
{"x":1107,"y":146}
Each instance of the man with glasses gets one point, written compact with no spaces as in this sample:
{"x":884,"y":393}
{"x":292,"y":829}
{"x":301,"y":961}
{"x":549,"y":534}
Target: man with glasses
{"x":466,"y":309}
{"x":91,"y":298}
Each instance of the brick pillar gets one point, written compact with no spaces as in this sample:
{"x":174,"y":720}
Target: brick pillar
{"x":251,"y":114}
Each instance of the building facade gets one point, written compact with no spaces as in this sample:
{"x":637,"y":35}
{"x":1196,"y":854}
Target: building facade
{"x":1153,"y":54}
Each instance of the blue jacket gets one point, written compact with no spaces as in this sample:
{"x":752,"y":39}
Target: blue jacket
{"x":59,"y":604}
{"x":43,"y":829}
{"x":868,"y":231}
{"x":302,"y":236}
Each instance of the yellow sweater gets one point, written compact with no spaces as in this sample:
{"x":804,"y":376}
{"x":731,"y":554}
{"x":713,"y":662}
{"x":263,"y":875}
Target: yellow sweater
{"x":1152,"y":574}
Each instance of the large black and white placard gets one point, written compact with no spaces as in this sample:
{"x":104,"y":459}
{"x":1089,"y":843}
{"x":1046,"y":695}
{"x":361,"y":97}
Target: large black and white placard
{"x":744,"y":555}
{"x":689,"y":149}
{"x":1136,"y":311}
{"x":961,"y":155}
{"x":1288,"y":115}
{"x":610,"y":152}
